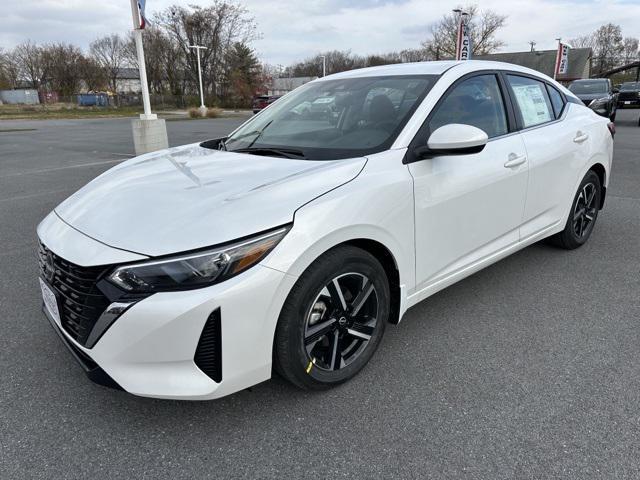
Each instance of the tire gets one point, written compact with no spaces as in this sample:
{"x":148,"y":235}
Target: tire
{"x":583,"y":214}
{"x":314,"y":324}
{"x":612,"y":118}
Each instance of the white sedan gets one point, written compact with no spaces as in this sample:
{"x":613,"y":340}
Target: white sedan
{"x":289,"y":245}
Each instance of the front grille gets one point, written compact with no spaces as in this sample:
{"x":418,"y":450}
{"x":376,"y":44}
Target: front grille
{"x":80,"y":302}
{"x":625,"y":96}
{"x":208,"y":355}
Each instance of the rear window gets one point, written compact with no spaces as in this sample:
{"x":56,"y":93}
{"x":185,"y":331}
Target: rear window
{"x":532,"y":100}
{"x":630,"y":87}
{"x":589,"y":86}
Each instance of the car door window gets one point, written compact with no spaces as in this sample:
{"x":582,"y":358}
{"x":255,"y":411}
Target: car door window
{"x":556,"y":101}
{"x":532,"y":100}
{"x":475,"y":101}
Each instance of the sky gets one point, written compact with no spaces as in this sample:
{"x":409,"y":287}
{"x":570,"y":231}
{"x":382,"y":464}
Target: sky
{"x":292,"y":30}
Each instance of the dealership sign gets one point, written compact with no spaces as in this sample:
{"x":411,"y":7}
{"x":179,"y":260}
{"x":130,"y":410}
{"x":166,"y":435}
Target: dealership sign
{"x":463,"y":44}
{"x":562,"y":59}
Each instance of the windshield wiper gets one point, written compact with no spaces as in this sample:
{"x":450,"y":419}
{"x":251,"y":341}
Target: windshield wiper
{"x":280,"y":152}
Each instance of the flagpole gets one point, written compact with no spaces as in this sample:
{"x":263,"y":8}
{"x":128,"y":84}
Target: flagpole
{"x":137,"y":34}
{"x":149,"y":131}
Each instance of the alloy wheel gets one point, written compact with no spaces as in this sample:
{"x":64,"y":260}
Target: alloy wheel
{"x":585,"y":210}
{"x":341,"y":321}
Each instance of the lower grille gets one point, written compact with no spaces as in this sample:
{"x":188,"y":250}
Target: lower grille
{"x":208,"y":355}
{"x":80,"y":302}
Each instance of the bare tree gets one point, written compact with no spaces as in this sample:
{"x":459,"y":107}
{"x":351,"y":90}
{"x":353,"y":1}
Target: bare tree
{"x":583,"y":41}
{"x":93,"y":74}
{"x":607,"y":46}
{"x":217,"y":27}
{"x":31,"y":63}
{"x":483,"y":27}
{"x":630,"y":50}
{"x":110,"y":53}
{"x":63,"y":66}
{"x":9,"y":71}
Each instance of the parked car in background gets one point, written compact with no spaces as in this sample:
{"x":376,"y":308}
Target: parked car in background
{"x":629,"y":94}
{"x":263,"y":101}
{"x":598,"y":94}
{"x":294,"y":241}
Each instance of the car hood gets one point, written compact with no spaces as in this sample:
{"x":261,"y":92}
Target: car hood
{"x":592,"y":96}
{"x":191,"y":197}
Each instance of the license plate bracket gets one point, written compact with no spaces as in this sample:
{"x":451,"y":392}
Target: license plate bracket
{"x":50,"y":301}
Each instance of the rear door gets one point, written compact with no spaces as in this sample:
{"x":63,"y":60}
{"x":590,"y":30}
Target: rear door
{"x":554,"y":145}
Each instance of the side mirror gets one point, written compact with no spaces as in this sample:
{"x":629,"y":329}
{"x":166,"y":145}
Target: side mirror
{"x":616,"y":90}
{"x":454,"y":139}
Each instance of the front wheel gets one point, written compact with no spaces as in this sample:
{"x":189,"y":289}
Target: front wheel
{"x":333,"y":319}
{"x":583,"y":216}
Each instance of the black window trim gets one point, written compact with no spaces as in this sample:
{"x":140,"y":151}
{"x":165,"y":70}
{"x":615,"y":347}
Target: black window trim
{"x":424,"y":130}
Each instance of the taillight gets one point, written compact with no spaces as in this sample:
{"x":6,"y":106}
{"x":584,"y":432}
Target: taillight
{"x":612,"y":128}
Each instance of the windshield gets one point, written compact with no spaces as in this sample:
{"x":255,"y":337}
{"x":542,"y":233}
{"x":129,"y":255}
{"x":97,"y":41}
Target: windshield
{"x":333,"y":119}
{"x":630,"y":86}
{"x":585,"y":88}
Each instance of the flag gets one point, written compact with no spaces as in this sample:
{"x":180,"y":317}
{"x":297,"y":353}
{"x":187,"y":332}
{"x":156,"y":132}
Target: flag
{"x":562,"y":59}
{"x":143,"y":19}
{"x":463,"y":43}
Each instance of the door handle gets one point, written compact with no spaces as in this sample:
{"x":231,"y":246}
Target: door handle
{"x":581,"y":137}
{"x":515,"y":160}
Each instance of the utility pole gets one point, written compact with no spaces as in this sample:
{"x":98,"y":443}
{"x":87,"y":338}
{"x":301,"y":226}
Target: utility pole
{"x":203,"y":109}
{"x":533,"y":44}
{"x":324,"y":65}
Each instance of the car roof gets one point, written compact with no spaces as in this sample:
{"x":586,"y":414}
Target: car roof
{"x":429,"y":68}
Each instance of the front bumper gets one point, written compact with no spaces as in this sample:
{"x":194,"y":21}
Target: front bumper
{"x":149,"y":350}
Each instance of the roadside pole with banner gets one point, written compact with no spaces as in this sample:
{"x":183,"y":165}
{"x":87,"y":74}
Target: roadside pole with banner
{"x":463,"y":41}
{"x":149,"y":132}
{"x":562,"y":59}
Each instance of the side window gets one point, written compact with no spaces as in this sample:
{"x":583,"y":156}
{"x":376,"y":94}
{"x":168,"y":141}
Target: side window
{"x":532,"y":99}
{"x":476,"y":101}
{"x":556,"y":100}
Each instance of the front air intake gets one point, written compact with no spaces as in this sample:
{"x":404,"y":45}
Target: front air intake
{"x":208,"y":355}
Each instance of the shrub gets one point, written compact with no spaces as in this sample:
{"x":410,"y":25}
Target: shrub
{"x":214,"y":112}
{"x":195,"y":113}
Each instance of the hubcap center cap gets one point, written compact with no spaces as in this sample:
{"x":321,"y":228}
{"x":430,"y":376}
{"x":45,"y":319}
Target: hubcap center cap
{"x":342,"y":321}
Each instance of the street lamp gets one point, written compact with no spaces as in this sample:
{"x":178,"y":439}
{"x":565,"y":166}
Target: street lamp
{"x":324,"y":65}
{"x":203,"y":109}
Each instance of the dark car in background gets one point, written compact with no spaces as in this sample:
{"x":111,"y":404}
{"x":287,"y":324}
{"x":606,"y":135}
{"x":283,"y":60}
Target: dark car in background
{"x":598,"y":94}
{"x":629,"y":94}
{"x":263,"y":101}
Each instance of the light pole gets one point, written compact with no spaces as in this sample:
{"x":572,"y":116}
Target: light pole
{"x":203,"y":109}
{"x":324,"y":65}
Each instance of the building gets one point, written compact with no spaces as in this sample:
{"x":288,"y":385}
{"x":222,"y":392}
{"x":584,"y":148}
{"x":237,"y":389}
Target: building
{"x":544,"y":61}
{"x":26,"y":96}
{"x":280,"y":86}
{"x":128,"y":81}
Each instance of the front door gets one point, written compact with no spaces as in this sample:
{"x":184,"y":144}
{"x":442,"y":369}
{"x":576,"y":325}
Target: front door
{"x":468,"y":207}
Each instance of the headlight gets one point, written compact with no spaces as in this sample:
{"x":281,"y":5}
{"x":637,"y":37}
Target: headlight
{"x":598,"y":103}
{"x":198,"y":269}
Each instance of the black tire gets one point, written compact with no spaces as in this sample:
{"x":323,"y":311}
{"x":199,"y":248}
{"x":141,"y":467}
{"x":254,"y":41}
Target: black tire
{"x":303,"y":353}
{"x":583,"y":214}
{"x":613,"y":117}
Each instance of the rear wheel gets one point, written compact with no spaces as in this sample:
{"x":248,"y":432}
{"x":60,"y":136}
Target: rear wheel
{"x":333,"y":320}
{"x":583,"y":216}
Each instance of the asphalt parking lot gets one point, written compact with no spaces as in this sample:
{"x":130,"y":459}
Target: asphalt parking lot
{"x":528,"y":369}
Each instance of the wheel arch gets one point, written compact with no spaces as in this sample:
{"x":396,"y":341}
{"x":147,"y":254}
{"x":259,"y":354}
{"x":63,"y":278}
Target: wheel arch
{"x":390,"y":265}
{"x":599,"y":170}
